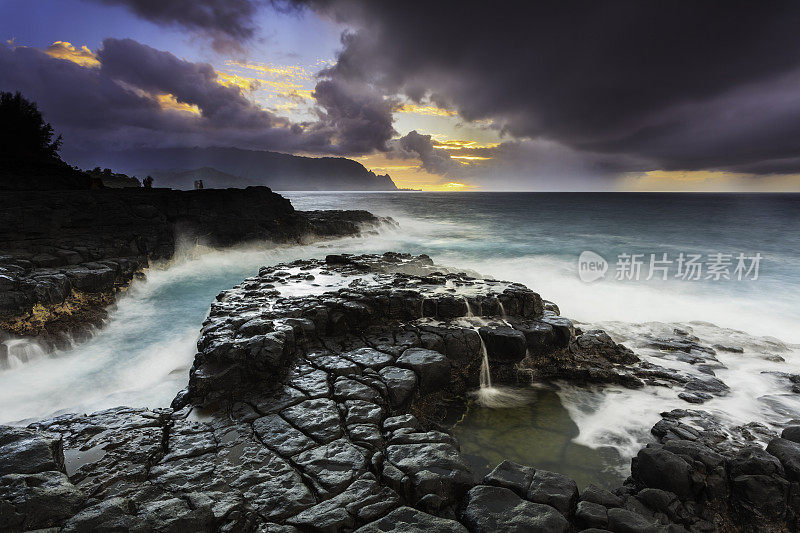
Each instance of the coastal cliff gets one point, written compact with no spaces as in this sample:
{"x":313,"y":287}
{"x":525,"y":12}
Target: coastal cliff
{"x":234,"y":167}
{"x":68,"y":244}
{"x":66,"y":253}
{"x":322,"y":412}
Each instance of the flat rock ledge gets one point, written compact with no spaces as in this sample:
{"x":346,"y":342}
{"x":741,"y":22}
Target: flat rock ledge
{"x":67,"y":254}
{"x":318,"y":412}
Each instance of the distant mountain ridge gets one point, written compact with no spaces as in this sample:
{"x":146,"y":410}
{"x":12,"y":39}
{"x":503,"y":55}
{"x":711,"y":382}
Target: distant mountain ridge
{"x":235,"y":167}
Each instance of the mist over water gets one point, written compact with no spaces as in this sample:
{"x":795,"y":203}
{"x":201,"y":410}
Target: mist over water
{"x":536,"y":238}
{"x":142,"y":356}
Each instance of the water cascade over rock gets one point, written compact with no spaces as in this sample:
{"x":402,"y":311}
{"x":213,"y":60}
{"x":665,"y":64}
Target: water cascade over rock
{"x":321,"y":411}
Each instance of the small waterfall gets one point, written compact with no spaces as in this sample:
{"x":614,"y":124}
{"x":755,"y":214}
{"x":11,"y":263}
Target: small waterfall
{"x":17,"y":352}
{"x":488,"y":395}
{"x":498,"y":397}
{"x":470,"y":314}
{"x":502,"y":309}
{"x":486,"y":374}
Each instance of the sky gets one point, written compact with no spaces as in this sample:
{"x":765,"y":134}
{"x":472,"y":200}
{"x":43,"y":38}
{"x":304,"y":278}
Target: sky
{"x":574,"y":95}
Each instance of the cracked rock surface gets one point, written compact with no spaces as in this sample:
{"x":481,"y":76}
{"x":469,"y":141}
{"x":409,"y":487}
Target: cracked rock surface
{"x":319,"y":411}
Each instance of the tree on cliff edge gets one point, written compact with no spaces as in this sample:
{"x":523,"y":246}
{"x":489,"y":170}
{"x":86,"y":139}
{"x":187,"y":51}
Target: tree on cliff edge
{"x":24,"y":133}
{"x":28,"y":152}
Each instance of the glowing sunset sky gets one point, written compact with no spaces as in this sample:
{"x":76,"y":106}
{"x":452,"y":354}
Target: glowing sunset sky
{"x":567,"y":96}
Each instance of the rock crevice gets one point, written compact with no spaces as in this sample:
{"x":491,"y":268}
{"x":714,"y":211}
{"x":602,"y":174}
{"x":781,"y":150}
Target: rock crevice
{"x":321,"y":411}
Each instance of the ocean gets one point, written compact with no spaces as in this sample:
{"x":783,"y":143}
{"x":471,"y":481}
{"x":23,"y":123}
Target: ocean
{"x":536,"y":239}
{"x":722,"y":267}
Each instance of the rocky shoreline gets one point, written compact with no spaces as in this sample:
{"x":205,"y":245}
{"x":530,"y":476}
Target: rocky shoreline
{"x":320,"y":411}
{"x":67,"y":254}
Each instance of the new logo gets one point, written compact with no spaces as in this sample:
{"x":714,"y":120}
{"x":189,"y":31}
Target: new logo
{"x":591,"y":266}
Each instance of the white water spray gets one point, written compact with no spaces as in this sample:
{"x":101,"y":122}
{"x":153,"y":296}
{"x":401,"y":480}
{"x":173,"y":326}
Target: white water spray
{"x":141,"y":357}
{"x":19,"y":352}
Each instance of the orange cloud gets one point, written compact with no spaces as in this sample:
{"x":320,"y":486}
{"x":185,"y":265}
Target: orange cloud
{"x":299,"y":94}
{"x":470,"y":157}
{"x":64,"y":50}
{"x":466,"y":152}
{"x":286,"y":71}
{"x":425,"y":110}
{"x":281,"y":88}
{"x":168,"y":101}
{"x":244,"y":83}
{"x":458,"y":144}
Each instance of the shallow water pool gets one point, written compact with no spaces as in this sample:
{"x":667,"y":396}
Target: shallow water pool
{"x":538,"y":433}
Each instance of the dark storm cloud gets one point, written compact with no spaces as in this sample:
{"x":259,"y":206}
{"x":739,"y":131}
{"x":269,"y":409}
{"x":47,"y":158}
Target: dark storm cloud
{"x":72,"y":96}
{"x":686,"y":85}
{"x":357,"y":115}
{"x":228,"y":23}
{"x":115,"y":105}
{"x":433,"y":160}
{"x":157,"y":71}
{"x":754,"y":128}
{"x":514,"y":165}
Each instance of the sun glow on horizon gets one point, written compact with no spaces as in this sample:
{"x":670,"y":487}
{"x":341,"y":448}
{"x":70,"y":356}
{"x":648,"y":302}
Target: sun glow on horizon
{"x":408,"y":174}
{"x":451,"y":186}
{"x":707,"y":181}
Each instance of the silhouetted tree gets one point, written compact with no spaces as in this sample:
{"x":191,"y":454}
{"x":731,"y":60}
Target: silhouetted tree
{"x":24,"y":135}
{"x":29,"y":157}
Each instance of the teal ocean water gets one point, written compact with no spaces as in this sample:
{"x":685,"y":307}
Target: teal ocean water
{"x":536,"y":238}
{"x":142,"y":356}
